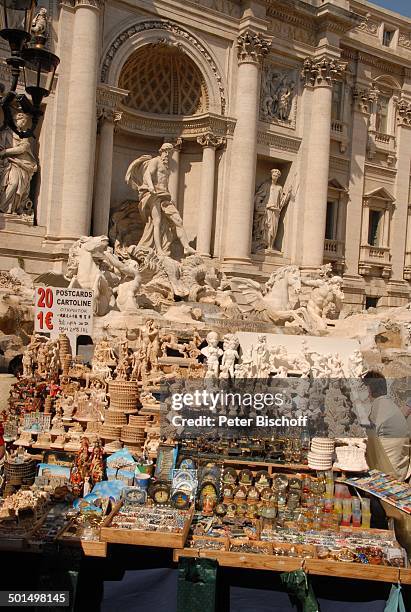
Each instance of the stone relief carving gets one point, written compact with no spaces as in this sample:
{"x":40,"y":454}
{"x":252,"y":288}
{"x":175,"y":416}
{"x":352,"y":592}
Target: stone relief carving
{"x":222,"y":6}
{"x":17,"y":167}
{"x":369,"y":26}
{"x":125,"y":226}
{"x":163,"y":224}
{"x":404,"y":39}
{"x":269,"y":201}
{"x":285,"y":30}
{"x":403,"y":112}
{"x":277,"y":94}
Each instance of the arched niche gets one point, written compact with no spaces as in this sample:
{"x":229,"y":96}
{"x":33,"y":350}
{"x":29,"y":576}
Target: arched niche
{"x":169,"y":34}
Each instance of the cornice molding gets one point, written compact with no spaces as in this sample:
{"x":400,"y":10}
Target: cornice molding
{"x":371,"y":60}
{"x":189,"y":128}
{"x":283,"y":143}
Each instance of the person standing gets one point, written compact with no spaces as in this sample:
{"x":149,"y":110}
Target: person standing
{"x":390,"y":427}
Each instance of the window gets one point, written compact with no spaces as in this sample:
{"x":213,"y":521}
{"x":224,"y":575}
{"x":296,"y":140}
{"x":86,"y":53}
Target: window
{"x":381,"y":119}
{"x":337,"y":102}
{"x":330,"y":221}
{"x":374,"y":227}
{"x":387,"y":37}
{"x":371,"y":302}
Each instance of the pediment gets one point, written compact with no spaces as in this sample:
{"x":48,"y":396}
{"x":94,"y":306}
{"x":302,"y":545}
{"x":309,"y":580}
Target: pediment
{"x":380,"y":194}
{"x":335,"y":184}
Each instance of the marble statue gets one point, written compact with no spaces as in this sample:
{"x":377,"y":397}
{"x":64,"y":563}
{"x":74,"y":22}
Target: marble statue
{"x":277,"y":93}
{"x":274,"y":301}
{"x":17,"y":170}
{"x":86,"y":269}
{"x":93,"y":265}
{"x":325,"y":299}
{"x":39,"y":27}
{"x":212,"y":352}
{"x":163,"y":224}
{"x":269,"y":201}
{"x":126,"y":291}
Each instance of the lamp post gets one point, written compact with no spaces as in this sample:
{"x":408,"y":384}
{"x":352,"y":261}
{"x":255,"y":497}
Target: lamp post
{"x":36,"y":63}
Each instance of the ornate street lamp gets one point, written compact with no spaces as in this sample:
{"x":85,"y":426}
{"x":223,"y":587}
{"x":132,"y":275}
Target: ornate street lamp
{"x":37,"y":64}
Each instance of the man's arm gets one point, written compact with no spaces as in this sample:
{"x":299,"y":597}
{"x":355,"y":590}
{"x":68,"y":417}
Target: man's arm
{"x":13,"y":151}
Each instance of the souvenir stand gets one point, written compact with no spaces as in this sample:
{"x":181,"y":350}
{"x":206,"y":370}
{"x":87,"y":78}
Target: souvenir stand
{"x":93,"y":460}
{"x":98,"y":454}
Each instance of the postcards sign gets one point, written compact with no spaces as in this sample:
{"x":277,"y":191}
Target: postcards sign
{"x":60,"y":310}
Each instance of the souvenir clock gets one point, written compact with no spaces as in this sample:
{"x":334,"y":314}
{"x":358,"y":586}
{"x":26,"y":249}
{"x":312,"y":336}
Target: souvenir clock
{"x":160,"y":492}
{"x":180,"y":500}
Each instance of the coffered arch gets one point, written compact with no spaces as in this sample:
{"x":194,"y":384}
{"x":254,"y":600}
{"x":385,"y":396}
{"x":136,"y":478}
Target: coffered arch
{"x":167,"y":33}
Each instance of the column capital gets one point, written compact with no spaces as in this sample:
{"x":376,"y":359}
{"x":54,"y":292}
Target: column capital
{"x":362,"y":97}
{"x":176,"y":141}
{"x":210,"y":140}
{"x":322,"y":72}
{"x":109,"y":115}
{"x":403,"y":112}
{"x":252,"y":47}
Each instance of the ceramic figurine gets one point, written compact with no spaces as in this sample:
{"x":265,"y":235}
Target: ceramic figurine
{"x":213,"y":353}
{"x":97,"y":463}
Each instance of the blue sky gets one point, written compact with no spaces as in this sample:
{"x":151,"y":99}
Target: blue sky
{"x":399,"y":6}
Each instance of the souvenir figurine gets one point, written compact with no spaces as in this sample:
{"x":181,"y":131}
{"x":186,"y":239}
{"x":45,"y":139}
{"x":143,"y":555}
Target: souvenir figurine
{"x":76,"y":481}
{"x":208,"y":504}
{"x":213,"y":353}
{"x":97,"y":463}
{"x":82,"y":461}
{"x":230,"y":355}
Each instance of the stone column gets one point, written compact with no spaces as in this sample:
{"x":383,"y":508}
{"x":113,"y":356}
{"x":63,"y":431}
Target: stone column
{"x":251,"y":48}
{"x":355,"y":210}
{"x":174,"y":178}
{"x":104,"y":173}
{"x":319,"y":74}
{"x":401,"y":191}
{"x":364,"y":225}
{"x":209,"y":142}
{"x":81,"y":121}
